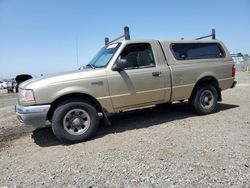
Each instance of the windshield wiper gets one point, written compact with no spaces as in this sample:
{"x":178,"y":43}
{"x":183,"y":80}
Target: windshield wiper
{"x":81,"y":67}
{"x":91,"y":65}
{"x":85,"y":66}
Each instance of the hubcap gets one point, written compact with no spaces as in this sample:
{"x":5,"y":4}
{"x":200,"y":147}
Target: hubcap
{"x":207,"y":99}
{"x":76,"y":121}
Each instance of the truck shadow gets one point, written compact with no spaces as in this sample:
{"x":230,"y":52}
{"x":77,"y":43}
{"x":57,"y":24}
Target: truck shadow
{"x":136,"y":119}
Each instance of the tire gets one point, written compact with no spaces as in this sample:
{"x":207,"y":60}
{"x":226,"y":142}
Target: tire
{"x":204,"y":99}
{"x":74,"y":121}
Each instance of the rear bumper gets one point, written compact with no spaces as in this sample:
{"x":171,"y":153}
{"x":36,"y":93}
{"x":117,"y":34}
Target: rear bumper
{"x":234,"y":84}
{"x":32,"y":115}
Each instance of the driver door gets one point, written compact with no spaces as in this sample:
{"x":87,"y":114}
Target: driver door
{"x":141,"y":83}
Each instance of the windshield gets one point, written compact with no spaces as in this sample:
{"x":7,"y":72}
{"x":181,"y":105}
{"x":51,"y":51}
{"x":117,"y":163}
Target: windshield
{"x":102,"y":58}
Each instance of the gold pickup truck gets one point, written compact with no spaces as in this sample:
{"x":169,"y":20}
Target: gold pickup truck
{"x":125,"y":75}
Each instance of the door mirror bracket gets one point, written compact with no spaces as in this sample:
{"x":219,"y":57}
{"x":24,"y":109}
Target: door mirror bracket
{"x":120,"y":65}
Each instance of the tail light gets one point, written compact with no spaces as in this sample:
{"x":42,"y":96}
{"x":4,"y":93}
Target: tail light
{"x":233,"y":71}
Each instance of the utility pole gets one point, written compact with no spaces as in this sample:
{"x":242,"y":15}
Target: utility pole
{"x":77,"y":64}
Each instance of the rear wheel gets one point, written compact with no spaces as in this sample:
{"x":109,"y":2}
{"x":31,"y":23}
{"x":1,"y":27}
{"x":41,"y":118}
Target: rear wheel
{"x":74,"y":121}
{"x":204,"y":99}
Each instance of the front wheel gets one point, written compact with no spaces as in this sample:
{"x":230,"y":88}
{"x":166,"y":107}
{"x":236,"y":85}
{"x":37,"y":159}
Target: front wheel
{"x":204,"y":99}
{"x":74,"y":121}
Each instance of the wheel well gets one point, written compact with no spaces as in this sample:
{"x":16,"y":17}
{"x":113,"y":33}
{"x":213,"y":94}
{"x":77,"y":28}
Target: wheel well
{"x":61,"y":99}
{"x":211,"y":80}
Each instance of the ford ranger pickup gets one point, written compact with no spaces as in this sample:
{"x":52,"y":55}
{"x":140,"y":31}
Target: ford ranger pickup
{"x":127,"y":74}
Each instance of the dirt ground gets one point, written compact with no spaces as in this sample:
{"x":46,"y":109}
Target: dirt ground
{"x":151,"y":147}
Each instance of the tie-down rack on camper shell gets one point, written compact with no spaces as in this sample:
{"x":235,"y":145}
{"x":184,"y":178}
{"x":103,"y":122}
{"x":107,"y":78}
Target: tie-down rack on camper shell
{"x":126,"y":35}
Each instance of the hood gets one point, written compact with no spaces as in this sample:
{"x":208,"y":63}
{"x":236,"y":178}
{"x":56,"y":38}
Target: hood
{"x":53,"y":79}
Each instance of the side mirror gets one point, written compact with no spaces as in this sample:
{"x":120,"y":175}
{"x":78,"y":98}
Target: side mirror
{"x":120,"y":65}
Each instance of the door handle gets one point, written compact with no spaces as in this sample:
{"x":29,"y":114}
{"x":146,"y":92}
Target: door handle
{"x":156,"y":74}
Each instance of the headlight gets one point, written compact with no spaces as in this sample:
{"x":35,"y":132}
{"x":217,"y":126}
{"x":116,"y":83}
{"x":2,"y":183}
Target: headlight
{"x":26,"y":96}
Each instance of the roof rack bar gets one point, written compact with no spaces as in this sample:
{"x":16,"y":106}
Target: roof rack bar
{"x":126,"y":35}
{"x":106,"y":40}
{"x":213,"y":34}
{"x":116,"y":39}
{"x":207,"y":36}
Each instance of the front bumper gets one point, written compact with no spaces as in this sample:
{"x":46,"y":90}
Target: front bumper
{"x":32,"y":115}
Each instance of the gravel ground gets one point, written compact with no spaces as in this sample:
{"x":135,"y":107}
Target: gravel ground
{"x":9,"y":126}
{"x":145,"y":148}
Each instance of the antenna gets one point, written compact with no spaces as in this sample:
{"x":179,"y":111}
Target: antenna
{"x":126,"y":35}
{"x":77,"y":64}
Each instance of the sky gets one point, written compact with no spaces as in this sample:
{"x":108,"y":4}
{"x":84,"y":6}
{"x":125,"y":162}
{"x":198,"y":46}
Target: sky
{"x":41,"y":36}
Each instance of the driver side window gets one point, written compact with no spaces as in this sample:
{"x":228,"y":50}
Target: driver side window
{"x":138,"y":56}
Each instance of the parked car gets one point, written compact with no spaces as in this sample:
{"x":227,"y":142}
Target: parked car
{"x":3,"y":85}
{"x":125,"y":75}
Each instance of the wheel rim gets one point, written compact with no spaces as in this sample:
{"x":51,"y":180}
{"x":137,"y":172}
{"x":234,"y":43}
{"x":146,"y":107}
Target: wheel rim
{"x":76,"y":121}
{"x":207,"y":99}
